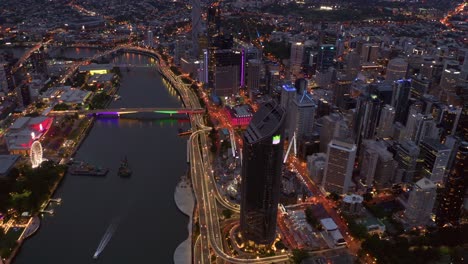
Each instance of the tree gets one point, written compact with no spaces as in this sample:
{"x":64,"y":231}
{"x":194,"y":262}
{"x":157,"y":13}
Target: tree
{"x":312,"y":220}
{"x":367,"y":197}
{"x":227,"y":213}
{"x":298,"y":255}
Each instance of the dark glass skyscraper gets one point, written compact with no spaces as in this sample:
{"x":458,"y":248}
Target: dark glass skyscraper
{"x":261,"y":173}
{"x":326,"y":54}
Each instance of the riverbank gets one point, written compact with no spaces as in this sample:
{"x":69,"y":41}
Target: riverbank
{"x":183,"y":197}
{"x":34,"y":222}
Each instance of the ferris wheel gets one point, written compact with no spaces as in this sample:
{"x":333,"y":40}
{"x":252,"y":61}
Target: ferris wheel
{"x":36,"y":154}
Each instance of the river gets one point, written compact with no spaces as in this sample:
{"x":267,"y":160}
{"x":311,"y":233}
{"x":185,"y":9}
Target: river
{"x":148,"y":224}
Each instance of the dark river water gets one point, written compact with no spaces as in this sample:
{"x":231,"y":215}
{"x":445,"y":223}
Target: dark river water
{"x":138,"y":214}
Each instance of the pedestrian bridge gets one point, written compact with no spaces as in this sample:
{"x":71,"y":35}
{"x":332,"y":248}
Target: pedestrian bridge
{"x":124,"y":111}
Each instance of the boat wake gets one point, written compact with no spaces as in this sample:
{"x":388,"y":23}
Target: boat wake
{"x":106,"y":237}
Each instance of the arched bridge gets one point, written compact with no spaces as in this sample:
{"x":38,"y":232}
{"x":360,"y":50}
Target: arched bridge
{"x":124,"y":111}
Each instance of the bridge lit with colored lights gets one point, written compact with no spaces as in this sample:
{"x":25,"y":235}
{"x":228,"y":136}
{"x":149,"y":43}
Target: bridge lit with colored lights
{"x":125,"y":111}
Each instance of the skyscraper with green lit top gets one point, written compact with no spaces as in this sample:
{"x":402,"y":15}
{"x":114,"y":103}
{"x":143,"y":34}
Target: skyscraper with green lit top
{"x":261,"y":173}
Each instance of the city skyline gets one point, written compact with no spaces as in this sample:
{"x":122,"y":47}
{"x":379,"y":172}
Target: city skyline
{"x":284,"y":131}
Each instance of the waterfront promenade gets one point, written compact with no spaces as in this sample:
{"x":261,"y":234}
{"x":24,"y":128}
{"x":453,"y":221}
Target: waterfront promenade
{"x":184,"y":200}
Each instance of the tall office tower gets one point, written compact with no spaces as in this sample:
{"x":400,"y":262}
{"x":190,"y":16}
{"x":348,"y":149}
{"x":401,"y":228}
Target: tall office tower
{"x":196,"y":27}
{"x":38,"y":61}
{"x":400,"y":100}
{"x":396,"y":69}
{"x":227,"y":72}
{"x":419,"y":127}
{"x":369,"y":52}
{"x":340,"y":91}
{"x":3,"y":79}
{"x":213,"y":20}
{"x":273,"y":80}
{"x":316,"y":164}
{"x":150,"y":39}
{"x":462,"y":128}
{"x":325,"y":57}
{"x":302,"y":117}
{"x":180,"y":49}
{"x":339,"y":169}
{"x":288,"y":92}
{"x":366,"y":117}
{"x":420,"y":86}
{"x":449,"y":119}
{"x":253,"y":75}
{"x":383,"y":90}
{"x":465,"y":62}
{"x":353,"y":64}
{"x":328,"y":37}
{"x":449,"y":209}
{"x":420,"y":203}
{"x":376,"y":165}
{"x":406,"y":156}
{"x":449,"y":79}
{"x":261,"y":173}
{"x":387,"y":116}
{"x":434,"y":159}
{"x":334,"y":127}
{"x":203,"y":71}
{"x":301,"y":85}
{"x":296,"y":58}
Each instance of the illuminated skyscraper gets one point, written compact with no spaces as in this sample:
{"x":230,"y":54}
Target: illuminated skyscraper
{"x":452,"y":198}
{"x":261,"y":173}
